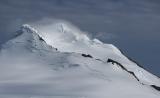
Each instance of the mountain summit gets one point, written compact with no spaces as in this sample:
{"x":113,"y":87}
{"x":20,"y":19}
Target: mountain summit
{"x":60,"y":61}
{"x":28,"y":39}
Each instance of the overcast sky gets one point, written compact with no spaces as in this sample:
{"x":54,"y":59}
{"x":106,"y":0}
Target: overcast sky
{"x":131,"y":25}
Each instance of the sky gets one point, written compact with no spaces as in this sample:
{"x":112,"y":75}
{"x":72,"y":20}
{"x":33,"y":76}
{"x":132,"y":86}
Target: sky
{"x":131,"y":25}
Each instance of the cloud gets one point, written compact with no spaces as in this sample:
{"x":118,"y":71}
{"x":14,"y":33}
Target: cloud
{"x":122,"y":17}
{"x":105,"y":36}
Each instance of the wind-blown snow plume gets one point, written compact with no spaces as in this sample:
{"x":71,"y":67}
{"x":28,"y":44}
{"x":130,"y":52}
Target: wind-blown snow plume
{"x":65,"y":36}
{"x":56,"y":31}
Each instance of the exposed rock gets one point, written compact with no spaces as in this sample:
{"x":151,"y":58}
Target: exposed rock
{"x":87,"y":55}
{"x":115,"y":62}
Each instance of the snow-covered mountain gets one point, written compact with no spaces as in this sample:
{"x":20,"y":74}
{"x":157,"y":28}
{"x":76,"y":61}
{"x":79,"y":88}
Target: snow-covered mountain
{"x":60,"y":61}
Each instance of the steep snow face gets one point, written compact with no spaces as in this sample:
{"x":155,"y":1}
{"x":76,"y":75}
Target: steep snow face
{"x":68,"y":38}
{"x":30,"y":68}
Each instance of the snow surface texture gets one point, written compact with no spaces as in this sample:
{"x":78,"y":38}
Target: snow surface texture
{"x":60,"y":61}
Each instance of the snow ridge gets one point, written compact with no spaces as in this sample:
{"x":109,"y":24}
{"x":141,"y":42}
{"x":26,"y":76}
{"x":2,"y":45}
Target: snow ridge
{"x":71,"y":39}
{"x":30,"y":29}
{"x":82,"y":67}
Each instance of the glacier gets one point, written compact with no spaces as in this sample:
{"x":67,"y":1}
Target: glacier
{"x":61,"y":61}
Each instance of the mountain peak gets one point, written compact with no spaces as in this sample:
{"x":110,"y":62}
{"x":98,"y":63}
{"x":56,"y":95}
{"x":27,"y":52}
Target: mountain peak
{"x":28,"y":28}
{"x":27,"y":38}
{"x":29,"y":64}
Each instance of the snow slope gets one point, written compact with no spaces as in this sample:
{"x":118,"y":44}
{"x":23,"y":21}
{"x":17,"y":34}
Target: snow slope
{"x":68,"y":38}
{"x":32,"y":67}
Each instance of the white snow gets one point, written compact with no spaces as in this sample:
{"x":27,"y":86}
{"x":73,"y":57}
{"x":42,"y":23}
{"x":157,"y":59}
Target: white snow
{"x":31,"y":68}
{"x":68,"y":38}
